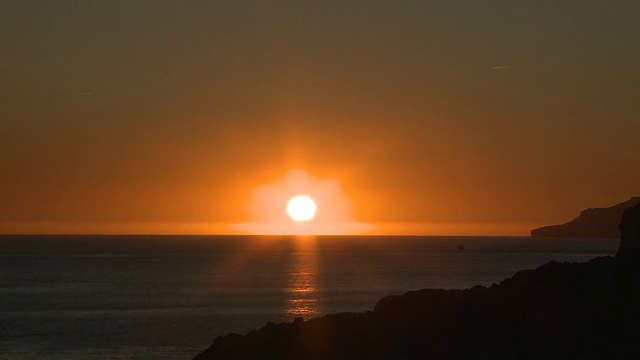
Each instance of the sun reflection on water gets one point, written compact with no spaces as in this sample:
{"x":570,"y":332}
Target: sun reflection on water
{"x":301,"y":284}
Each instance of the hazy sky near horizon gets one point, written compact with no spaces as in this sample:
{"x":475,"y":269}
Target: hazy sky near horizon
{"x":171,"y":112}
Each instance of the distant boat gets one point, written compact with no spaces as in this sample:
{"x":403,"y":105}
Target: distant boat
{"x":460,"y":247}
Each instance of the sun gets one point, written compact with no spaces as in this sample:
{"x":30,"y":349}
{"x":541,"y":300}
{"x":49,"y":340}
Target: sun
{"x":300,"y":204}
{"x":301,"y":208}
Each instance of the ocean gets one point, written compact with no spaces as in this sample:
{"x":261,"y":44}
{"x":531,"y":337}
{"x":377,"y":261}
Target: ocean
{"x":168,"y":297}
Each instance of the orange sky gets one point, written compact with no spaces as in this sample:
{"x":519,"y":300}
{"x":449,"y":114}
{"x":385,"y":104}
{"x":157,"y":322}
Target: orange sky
{"x":449,"y":118}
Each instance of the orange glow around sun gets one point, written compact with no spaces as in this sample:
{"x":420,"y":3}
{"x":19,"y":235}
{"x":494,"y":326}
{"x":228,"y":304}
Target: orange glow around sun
{"x":299,"y":204}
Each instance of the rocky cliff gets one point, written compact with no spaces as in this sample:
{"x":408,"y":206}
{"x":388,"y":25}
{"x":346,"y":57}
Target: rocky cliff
{"x":557,"y":311}
{"x":591,"y":223}
{"x":630,"y":233}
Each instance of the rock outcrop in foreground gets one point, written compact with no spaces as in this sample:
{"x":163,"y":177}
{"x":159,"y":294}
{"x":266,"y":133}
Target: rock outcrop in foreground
{"x":591,"y":223}
{"x":630,"y":233}
{"x":557,"y":311}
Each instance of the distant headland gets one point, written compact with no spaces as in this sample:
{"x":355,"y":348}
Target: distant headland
{"x":557,"y":311}
{"x":591,"y":223}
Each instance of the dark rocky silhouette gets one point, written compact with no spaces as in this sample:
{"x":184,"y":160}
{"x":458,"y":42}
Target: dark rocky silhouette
{"x":630,"y":232}
{"x":557,"y":311}
{"x":591,"y":223}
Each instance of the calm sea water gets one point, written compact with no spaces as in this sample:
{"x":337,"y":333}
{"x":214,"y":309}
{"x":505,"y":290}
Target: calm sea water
{"x":167,"y":297}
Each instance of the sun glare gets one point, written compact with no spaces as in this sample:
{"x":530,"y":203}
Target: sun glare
{"x":301,"y":208}
{"x":300,"y":204}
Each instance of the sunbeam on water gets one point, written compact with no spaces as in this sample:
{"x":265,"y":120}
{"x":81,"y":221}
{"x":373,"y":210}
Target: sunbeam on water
{"x":146,"y":297}
{"x":301,"y":285}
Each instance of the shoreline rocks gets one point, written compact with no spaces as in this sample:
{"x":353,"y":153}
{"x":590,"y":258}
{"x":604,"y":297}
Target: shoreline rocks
{"x":556,"y":311}
{"x":630,"y":232}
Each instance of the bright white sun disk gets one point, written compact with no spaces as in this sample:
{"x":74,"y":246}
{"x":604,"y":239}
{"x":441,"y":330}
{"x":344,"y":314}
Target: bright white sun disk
{"x":301,"y":208}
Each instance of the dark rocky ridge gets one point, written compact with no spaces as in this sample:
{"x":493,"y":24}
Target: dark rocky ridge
{"x":557,"y":311}
{"x":630,"y":233}
{"x":591,"y":223}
